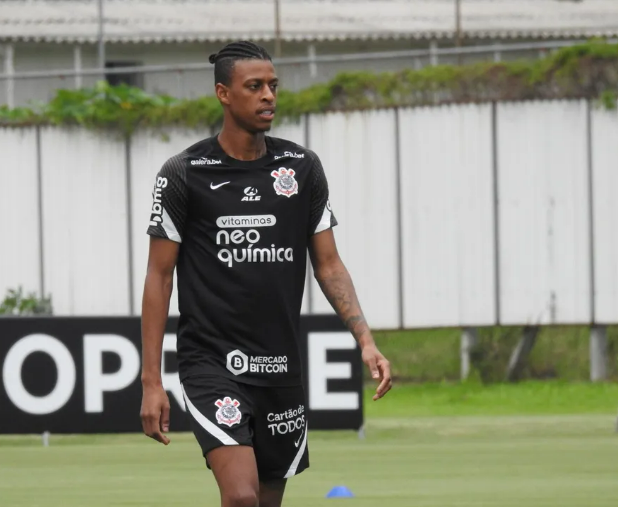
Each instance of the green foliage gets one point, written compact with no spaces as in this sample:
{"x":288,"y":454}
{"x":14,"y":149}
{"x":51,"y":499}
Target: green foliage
{"x":433,"y":355}
{"x":17,"y":303}
{"x":588,"y":70}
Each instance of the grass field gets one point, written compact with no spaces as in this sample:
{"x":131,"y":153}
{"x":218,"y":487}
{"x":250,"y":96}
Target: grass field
{"x":425,"y":446}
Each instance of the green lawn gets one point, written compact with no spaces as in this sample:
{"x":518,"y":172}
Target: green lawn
{"x":480,"y":446}
{"x":525,"y":398}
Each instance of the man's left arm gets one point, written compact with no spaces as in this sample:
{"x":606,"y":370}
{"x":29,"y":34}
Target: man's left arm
{"x":336,"y":284}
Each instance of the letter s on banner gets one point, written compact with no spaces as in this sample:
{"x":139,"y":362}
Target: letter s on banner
{"x":320,"y":371}
{"x":12,"y":379}
{"x":97,"y":382}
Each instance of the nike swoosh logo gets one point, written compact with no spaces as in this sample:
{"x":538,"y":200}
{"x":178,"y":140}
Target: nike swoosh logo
{"x":296,"y":444}
{"x":215,"y":187}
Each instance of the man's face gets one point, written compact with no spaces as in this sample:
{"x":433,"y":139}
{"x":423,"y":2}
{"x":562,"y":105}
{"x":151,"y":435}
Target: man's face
{"x":251,"y":97}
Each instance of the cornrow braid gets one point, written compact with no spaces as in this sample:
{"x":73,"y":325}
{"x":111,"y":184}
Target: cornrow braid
{"x":225,"y":58}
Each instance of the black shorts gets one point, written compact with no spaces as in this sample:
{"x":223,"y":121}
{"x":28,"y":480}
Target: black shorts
{"x":271,"y":420}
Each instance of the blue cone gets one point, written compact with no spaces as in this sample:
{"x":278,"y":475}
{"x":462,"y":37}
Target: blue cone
{"x":340,"y":492}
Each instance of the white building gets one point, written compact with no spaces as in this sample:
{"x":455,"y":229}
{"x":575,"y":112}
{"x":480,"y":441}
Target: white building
{"x":53,"y":35}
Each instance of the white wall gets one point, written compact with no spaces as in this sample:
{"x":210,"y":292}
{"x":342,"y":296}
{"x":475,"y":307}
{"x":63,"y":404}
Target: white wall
{"x":605,"y":212}
{"x":443,"y":176}
{"x":19,"y":209}
{"x":543,"y":216}
{"x":85,"y":243}
{"x":447,"y":216}
{"x":358,"y":152}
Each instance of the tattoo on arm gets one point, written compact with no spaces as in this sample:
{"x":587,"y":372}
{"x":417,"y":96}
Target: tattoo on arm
{"x":338,"y":288}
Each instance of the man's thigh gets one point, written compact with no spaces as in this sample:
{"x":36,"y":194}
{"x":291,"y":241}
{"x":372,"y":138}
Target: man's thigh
{"x":280,"y":432}
{"x":220,"y":412}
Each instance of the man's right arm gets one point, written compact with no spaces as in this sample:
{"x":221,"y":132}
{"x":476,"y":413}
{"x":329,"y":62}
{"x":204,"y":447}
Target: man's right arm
{"x":165,"y":228}
{"x":155,"y":307}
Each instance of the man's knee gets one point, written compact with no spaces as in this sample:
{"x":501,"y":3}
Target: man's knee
{"x":245,"y":497}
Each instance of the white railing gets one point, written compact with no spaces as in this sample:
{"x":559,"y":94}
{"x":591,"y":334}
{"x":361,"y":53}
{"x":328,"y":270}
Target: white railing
{"x":433,"y":55}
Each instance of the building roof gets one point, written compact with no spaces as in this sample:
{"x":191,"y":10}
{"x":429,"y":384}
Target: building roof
{"x":221,"y":20}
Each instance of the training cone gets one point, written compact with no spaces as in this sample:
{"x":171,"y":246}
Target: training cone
{"x":340,"y":492}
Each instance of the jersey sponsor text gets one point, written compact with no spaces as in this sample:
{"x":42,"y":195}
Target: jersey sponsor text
{"x":238,"y":363}
{"x":290,"y":154}
{"x":206,"y":161}
{"x":249,"y":254}
{"x":156,"y":216}
{"x":246,"y":221}
{"x":286,"y":422}
{"x":251,"y":194}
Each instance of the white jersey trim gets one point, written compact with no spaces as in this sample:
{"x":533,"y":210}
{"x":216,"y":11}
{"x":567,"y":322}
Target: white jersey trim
{"x":209,"y":426}
{"x":324,"y":222}
{"x":170,"y":228}
{"x":299,"y":455}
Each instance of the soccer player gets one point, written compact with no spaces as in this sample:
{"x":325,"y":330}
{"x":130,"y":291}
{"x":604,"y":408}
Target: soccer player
{"x":236,"y":215}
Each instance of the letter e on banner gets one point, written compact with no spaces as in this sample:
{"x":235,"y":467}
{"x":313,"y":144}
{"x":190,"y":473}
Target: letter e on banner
{"x":320,"y":371}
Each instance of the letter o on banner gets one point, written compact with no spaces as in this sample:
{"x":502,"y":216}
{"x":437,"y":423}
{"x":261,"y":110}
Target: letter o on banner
{"x":12,"y":368}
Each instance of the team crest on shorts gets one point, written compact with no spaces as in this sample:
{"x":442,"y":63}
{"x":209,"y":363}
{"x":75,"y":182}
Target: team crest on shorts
{"x":228,"y":412}
{"x":285,"y":184}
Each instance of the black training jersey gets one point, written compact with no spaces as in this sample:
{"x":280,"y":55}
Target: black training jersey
{"x":243,"y":229}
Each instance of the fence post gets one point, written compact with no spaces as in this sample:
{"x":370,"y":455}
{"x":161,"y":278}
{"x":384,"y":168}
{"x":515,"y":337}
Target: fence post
{"x":129,"y":205}
{"x":469,"y":340}
{"x":433,"y":53}
{"x":522,"y":351}
{"x":313,"y":66}
{"x":9,"y":70}
{"x":77,"y":65}
{"x":497,"y":54}
{"x":598,"y":353}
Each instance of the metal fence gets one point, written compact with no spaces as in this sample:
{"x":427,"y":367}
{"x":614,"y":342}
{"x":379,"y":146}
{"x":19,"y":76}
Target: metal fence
{"x":190,"y":80}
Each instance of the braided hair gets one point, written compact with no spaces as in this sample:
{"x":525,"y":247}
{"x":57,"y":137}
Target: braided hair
{"x":224,"y":60}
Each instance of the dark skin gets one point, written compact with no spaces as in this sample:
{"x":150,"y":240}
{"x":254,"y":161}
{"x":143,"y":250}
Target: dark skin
{"x":249,"y":103}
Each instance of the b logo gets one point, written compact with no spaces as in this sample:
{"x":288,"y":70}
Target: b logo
{"x":237,"y":362}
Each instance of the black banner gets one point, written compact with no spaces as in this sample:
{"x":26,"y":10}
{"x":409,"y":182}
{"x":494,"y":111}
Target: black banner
{"x":82,"y":375}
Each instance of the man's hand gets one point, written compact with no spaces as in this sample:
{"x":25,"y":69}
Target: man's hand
{"x":155,"y":413}
{"x":380,"y":369}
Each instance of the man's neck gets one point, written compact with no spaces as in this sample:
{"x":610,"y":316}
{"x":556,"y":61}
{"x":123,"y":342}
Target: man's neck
{"x":242,"y":145}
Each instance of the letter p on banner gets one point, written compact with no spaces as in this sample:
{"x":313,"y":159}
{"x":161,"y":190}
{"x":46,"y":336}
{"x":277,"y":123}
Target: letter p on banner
{"x":97,"y":382}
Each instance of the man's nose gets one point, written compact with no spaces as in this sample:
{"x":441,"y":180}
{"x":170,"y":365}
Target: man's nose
{"x":268,"y":94}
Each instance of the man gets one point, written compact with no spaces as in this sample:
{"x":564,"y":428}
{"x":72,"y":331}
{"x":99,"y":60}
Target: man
{"x":236,"y":214}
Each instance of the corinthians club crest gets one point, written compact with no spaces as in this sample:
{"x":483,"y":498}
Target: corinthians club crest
{"x":285,"y":184}
{"x":228,"y":412}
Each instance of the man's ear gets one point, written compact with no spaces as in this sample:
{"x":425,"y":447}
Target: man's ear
{"x":222,"y":93}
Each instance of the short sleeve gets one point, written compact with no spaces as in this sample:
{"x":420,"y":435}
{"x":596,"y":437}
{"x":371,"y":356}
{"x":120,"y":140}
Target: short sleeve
{"x":169,"y":201}
{"x":321,"y":216}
